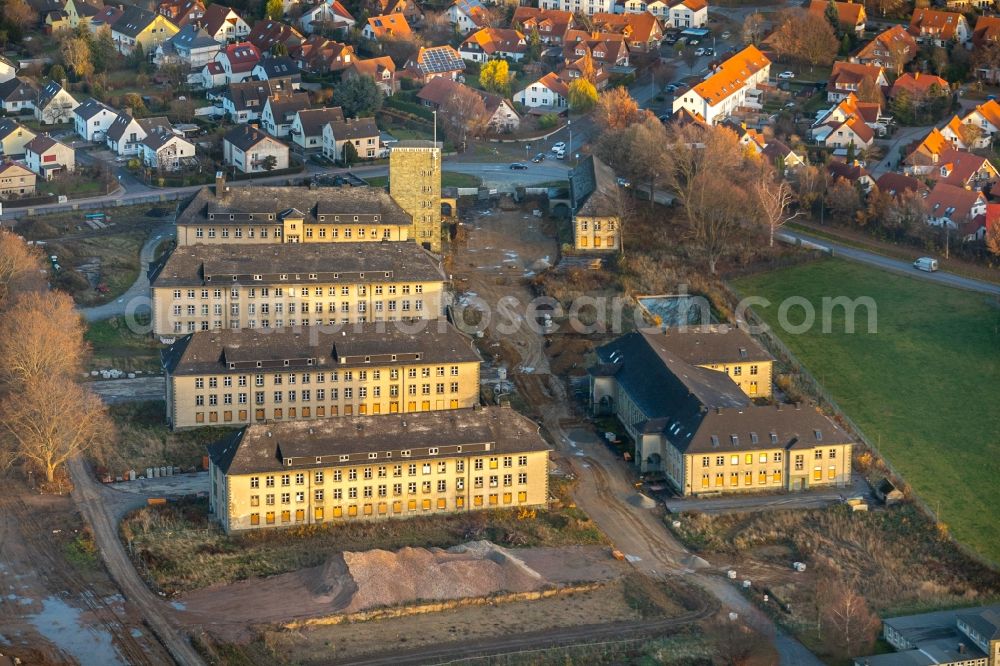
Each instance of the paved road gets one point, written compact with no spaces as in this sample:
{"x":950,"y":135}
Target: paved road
{"x":137,"y":296}
{"x":88,"y":496}
{"x":897,"y":265}
{"x":894,"y":148}
{"x":139,"y":389}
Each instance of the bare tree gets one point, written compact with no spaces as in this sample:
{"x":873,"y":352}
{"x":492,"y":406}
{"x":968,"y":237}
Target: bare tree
{"x":899,"y":54}
{"x":753,"y":28}
{"x":850,"y":626}
{"x":736,"y":644}
{"x":805,"y":37}
{"x":773,"y":197}
{"x":844,"y":200}
{"x":992,"y":239}
{"x":20,"y":267}
{"x":463,"y":115}
{"x":705,"y":168}
{"x":49,"y":424}
{"x":41,"y":341}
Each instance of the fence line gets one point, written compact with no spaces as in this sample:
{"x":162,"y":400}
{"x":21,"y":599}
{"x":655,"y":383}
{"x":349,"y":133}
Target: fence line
{"x":776,"y":346}
{"x":18,"y":213}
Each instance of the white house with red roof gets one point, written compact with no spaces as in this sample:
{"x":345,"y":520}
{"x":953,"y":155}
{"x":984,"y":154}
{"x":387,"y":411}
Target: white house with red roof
{"x":237,"y":61}
{"x":725,"y":90}
{"x":492,"y":43}
{"x":548,"y":92}
{"x":689,"y":14}
{"x":328,"y":15}
{"x":953,"y":205}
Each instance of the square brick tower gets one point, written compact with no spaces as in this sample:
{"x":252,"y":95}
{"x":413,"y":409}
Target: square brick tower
{"x":415,"y":184}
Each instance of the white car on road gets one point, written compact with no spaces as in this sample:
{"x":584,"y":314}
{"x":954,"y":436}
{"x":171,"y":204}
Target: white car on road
{"x":786,"y":75}
{"x":558,"y":147}
{"x":699,"y":52}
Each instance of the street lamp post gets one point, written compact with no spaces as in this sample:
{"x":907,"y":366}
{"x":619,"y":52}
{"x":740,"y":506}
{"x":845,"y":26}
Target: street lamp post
{"x":527,"y":149}
{"x":569,"y":125}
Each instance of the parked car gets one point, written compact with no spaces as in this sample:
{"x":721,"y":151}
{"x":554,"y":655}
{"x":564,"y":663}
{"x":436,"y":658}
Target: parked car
{"x":518,"y":166}
{"x":710,"y":51}
{"x":538,"y":158}
{"x":693,"y":42}
{"x":726,"y":35}
{"x":558,"y":146}
{"x":624,"y":182}
{"x":560,"y":154}
{"x":670,"y":88}
{"x":926,"y":264}
{"x":786,"y":75}
{"x":699,"y":52}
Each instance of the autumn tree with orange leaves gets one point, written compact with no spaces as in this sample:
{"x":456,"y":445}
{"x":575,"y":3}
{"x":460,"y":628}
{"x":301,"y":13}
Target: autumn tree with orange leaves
{"x":616,"y":109}
{"x":46,"y":416}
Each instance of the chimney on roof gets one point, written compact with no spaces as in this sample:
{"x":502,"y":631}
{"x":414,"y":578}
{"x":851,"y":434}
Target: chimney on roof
{"x":220,"y":184}
{"x":961,"y":648}
{"x":128,"y":111}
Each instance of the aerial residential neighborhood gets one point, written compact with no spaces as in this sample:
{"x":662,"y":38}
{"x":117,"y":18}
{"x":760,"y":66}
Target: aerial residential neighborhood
{"x":455,"y":331}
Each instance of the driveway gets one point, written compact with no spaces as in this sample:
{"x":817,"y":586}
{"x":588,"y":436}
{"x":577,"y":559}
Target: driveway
{"x":895,"y":146}
{"x":136,"y":299}
{"x":896,"y":265}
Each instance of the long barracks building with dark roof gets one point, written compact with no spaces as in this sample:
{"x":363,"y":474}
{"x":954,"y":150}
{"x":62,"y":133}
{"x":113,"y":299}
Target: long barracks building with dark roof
{"x":701,"y":430}
{"x":211,"y":287}
{"x":267,"y":215}
{"x":241,"y":377}
{"x":367,"y":468}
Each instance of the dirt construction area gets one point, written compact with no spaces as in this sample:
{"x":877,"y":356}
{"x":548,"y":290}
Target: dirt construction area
{"x":625,"y":599}
{"x":496,"y":254}
{"x":350,"y":582}
{"x":57,"y":604}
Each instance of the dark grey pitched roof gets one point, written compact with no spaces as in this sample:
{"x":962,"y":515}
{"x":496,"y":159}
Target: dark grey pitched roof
{"x":278,"y":67}
{"x":245,"y":137}
{"x":159,"y":137}
{"x":354,"y":128}
{"x":593,"y":187}
{"x":661,"y":384}
{"x":91,"y":107}
{"x":193,"y":37}
{"x":41,"y":143}
{"x":18,"y":90}
{"x":252,"y":205}
{"x":985,"y":621}
{"x":705,"y":345}
{"x":346,"y":263}
{"x":148,"y":125}
{"x":285,"y":105}
{"x":9,"y":125}
{"x":318,"y":348}
{"x":266,"y":447}
{"x":133,"y":21}
{"x":46,"y":94}
{"x":313,"y":120}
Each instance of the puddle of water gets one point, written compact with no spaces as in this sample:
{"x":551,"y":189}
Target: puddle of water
{"x":25,"y":601}
{"x":62,"y":624}
{"x":136,"y":633}
{"x":178,"y":605}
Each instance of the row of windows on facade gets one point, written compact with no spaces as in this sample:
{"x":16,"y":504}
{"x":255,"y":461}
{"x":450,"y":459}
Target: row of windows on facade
{"x":279,"y":292}
{"x":303,"y":308}
{"x":278,"y":413}
{"x":334,"y":232}
{"x":306,"y":395}
{"x":598,"y":242}
{"x":321,"y":377}
{"x":382,"y":508}
{"x":777,"y":456}
{"x":382,"y":471}
{"x":610,"y":224}
{"x":193,"y":326}
{"x":762,"y":477}
{"x":382,"y":490}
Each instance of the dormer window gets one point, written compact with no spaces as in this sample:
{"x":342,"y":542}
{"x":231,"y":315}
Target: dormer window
{"x":345,"y":458}
{"x":257,"y":278}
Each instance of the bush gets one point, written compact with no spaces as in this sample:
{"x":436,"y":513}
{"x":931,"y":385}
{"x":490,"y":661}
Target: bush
{"x":548,"y":121}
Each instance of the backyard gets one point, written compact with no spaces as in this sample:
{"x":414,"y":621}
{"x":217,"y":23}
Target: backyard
{"x":921,"y":388}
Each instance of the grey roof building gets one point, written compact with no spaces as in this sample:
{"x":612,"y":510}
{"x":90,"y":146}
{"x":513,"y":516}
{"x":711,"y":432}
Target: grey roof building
{"x":592,"y":185}
{"x":349,"y":440}
{"x":294,"y":264}
{"x":356,"y":345}
{"x":17,"y":91}
{"x":265,"y":205}
{"x":962,"y":636}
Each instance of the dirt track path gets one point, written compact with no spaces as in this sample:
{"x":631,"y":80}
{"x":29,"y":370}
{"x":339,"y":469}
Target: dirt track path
{"x":87,"y":494}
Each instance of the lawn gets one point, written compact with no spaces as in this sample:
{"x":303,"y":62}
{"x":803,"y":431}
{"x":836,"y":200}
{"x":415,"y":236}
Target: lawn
{"x":922,"y":387}
{"x":114,"y":345}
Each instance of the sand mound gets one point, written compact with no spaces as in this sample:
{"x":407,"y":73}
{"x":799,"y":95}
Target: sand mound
{"x":384,"y":578}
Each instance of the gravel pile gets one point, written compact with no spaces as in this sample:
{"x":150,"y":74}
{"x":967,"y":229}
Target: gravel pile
{"x":476,"y":569}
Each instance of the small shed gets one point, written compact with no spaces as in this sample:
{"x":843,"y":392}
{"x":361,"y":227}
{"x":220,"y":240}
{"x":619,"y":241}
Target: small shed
{"x":887,"y":492}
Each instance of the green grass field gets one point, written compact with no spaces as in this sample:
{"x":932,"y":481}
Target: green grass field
{"x":923,"y":387}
